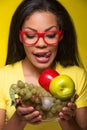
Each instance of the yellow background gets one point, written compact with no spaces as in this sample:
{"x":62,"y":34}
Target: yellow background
{"x":77,"y":9}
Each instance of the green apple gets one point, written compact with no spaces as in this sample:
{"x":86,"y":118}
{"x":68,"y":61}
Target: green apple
{"x":62,"y":87}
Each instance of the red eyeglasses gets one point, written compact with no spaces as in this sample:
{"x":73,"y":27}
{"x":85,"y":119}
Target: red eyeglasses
{"x":30,"y":38}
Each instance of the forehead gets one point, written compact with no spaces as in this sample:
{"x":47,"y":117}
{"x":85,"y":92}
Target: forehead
{"x":40,"y":20}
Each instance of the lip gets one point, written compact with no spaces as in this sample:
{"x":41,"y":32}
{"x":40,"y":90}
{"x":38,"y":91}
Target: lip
{"x":42,"y":57}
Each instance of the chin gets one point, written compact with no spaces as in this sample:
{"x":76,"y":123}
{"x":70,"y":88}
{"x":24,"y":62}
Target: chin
{"x":42,"y":66}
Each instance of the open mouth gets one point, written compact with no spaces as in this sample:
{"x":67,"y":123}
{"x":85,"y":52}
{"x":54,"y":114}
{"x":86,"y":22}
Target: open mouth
{"x":42,"y":57}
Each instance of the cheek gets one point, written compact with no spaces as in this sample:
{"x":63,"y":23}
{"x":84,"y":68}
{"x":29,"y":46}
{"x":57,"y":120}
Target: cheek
{"x":54,"y":51}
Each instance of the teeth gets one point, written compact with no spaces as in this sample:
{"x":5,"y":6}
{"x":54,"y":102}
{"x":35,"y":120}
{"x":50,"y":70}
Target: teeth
{"x":39,"y":55}
{"x":43,"y":55}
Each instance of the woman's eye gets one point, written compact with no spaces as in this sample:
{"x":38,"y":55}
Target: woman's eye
{"x":53,"y":35}
{"x":30,"y":36}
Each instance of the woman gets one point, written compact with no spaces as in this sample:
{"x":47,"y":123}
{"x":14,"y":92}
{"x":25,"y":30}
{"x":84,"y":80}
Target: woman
{"x":42,"y":36}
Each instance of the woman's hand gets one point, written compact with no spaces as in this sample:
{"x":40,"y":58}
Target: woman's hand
{"x":68,"y":112}
{"x":28,"y":113}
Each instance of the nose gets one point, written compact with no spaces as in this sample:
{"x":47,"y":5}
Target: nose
{"x":41,"y":43}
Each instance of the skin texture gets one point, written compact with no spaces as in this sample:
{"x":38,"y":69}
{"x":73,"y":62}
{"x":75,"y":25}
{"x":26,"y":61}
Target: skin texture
{"x":70,"y":118}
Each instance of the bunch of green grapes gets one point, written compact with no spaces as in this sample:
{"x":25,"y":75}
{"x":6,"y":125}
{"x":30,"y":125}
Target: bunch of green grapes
{"x":37,"y":97}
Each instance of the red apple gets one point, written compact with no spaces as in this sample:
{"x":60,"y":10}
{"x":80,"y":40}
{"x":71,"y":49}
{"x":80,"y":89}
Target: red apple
{"x":46,"y":77}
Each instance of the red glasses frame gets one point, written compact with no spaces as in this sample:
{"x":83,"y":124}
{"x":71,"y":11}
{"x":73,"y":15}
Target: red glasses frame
{"x":40,"y":35}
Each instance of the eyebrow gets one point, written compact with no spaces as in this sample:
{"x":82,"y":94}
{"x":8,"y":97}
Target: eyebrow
{"x":44,"y":30}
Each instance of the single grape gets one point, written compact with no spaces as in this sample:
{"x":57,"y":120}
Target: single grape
{"x":38,"y":107}
{"x":27,"y":96}
{"x":17,"y":90}
{"x":54,"y":109}
{"x":37,"y":100}
{"x":34,"y":91}
{"x":14,"y":86}
{"x":58,"y":107}
{"x":20,"y":84}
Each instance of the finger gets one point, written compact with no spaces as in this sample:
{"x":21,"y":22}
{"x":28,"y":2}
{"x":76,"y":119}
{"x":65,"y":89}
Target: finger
{"x":68,"y":112}
{"x":31,"y":116}
{"x":37,"y":119}
{"x":18,"y":102}
{"x":71,"y":105}
{"x":24,"y":110}
{"x":64,"y":116}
